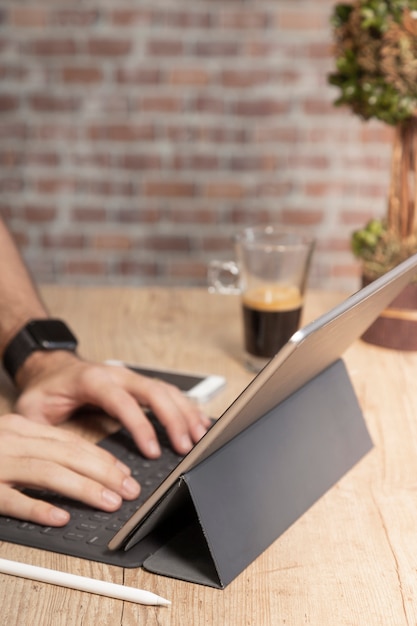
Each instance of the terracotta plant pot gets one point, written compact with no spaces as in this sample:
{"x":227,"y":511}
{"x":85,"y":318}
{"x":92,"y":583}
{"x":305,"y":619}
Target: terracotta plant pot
{"x":396,"y":327}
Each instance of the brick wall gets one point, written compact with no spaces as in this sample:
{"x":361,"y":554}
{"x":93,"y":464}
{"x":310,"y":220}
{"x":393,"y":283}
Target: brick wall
{"x":137,"y":136}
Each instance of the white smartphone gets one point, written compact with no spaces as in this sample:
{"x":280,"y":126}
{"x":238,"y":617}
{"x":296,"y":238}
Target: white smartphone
{"x":199,"y":387}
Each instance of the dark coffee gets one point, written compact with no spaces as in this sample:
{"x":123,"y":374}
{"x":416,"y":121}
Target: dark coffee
{"x":270,"y":316}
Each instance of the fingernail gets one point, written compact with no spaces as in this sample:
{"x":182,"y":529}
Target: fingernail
{"x":186,"y":443}
{"x":111,"y":498}
{"x":201,"y":431}
{"x":130,"y":487}
{"x":153,"y":448}
{"x":59,"y":516}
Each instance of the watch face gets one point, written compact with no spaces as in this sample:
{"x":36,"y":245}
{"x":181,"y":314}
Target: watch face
{"x":52,"y":334}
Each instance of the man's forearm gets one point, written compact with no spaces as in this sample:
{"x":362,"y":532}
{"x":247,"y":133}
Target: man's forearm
{"x":19,"y":299}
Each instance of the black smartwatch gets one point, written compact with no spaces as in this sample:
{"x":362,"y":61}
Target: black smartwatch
{"x":45,"y":335}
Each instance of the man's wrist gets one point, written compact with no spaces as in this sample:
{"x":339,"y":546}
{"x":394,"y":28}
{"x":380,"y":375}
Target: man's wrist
{"x":39,"y":364}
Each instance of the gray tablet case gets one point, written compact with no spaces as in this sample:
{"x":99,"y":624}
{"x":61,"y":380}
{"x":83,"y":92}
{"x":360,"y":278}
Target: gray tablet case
{"x":234,"y":504}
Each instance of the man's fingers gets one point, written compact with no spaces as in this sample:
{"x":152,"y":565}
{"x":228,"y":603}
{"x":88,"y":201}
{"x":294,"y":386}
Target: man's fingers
{"x":184,"y":421}
{"x":18,"y":505}
{"x":45,"y":457}
{"x":123,"y":406}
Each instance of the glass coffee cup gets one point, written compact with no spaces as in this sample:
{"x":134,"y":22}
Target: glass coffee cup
{"x":270,"y":274}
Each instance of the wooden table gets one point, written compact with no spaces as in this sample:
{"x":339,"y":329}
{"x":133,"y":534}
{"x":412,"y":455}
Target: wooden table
{"x":350,"y":560}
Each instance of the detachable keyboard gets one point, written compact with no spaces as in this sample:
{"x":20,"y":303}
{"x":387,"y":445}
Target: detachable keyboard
{"x":89,"y":530}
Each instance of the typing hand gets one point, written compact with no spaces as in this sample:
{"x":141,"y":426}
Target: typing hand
{"x":40,"y":456}
{"x":55,"y":384}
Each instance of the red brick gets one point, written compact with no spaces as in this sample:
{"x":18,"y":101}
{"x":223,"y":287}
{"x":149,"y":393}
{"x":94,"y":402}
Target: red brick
{"x":274,"y":189}
{"x":301,"y":20}
{"x":310,"y":161}
{"x":87,"y":267}
{"x":342,"y":271}
{"x":6,"y":211}
{"x":194,"y":215}
{"x":213,"y":134}
{"x":248,"y":216}
{"x":131,"y":17}
{"x":198,"y":162}
{"x":109,"y":47}
{"x":218,"y":243}
{"x":357,"y":218}
{"x":189,"y":76}
{"x":58,"y":131}
{"x":322,"y":50}
{"x":110,"y":188}
{"x":51,"y":103}
{"x":52,"y":47}
{"x":11,"y":184}
{"x":121,"y":132}
{"x":260,"y":107}
{"x":171,"y":243}
{"x":63,"y":241}
{"x":244,"y":78}
{"x":38,"y":213}
{"x":302,"y":217}
{"x":317,"y":106}
{"x":46,"y":159}
{"x":88,"y":214}
{"x":372,"y":133}
{"x":265,"y":163}
{"x":13,"y":72}
{"x":335,"y":244}
{"x":187,"y":270}
{"x":28,"y":17}
{"x":284,"y":134}
{"x":172,"y":189}
{"x":74,"y":17}
{"x":261,"y":49}
{"x":83,"y":75}
{"x":164,"y":47}
{"x":137,"y":269}
{"x":138,"y":162}
{"x":55,"y":185}
{"x":140,"y":215}
{"x":11,"y":158}
{"x":111,"y":242}
{"x":224,"y":190}
{"x":183,"y":19}
{"x":21,"y":239}
{"x":207,"y":104}
{"x":243,"y":19}
{"x":101,"y":160}
{"x":138,"y":75}
{"x":8,"y":103}
{"x":166,"y":104}
{"x":217,"y":49}
{"x":14,"y":130}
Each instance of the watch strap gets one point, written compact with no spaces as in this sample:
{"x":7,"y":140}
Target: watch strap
{"x":27,"y":341}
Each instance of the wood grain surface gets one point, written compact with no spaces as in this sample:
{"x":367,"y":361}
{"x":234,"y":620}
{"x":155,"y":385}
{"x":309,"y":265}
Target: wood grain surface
{"x":351,"y":560}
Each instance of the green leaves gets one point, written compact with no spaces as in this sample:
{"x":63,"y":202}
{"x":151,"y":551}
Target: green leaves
{"x":365,"y":241}
{"x":360,"y":30}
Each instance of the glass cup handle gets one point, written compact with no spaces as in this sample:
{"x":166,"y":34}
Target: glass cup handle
{"x":223,"y":277}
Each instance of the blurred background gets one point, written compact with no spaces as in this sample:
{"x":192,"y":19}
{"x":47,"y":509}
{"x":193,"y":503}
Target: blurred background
{"x":137,"y":136}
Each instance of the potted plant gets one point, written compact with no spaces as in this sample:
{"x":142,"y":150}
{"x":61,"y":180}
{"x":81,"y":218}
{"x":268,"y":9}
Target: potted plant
{"x":376,"y":73}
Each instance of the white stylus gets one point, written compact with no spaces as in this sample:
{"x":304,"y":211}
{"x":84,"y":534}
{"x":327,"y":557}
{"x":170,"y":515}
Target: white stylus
{"x":81,"y":583}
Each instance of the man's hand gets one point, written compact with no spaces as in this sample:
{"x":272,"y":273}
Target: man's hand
{"x":54,"y":384}
{"x":40,"y":456}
